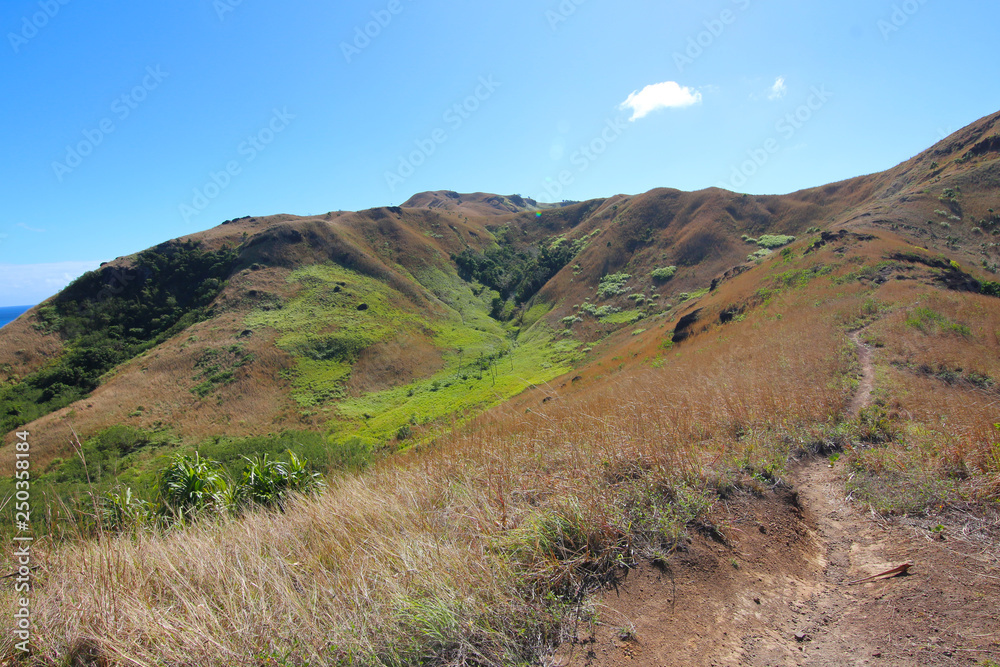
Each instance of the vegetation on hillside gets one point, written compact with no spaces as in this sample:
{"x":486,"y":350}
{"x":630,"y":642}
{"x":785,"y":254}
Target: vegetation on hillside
{"x":121,"y":470}
{"x":516,"y":272}
{"x":479,"y":540}
{"x":109,"y":316}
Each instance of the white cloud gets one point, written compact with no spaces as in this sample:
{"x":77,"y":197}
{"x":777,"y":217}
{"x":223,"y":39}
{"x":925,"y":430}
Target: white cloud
{"x":778,"y":90}
{"x":28,"y":284}
{"x":666,"y":95}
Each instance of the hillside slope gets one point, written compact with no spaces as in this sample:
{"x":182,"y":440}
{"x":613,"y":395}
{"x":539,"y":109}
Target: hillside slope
{"x":666,"y":386}
{"x":432,"y":271}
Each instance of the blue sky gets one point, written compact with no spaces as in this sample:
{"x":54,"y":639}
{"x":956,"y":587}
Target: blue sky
{"x":129,"y":123}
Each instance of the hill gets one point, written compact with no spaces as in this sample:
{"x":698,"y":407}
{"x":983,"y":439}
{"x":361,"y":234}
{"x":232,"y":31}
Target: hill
{"x":478,"y":203}
{"x":547,"y":398}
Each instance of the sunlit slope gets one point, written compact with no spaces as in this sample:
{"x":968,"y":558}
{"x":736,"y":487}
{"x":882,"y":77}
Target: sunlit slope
{"x":385,"y":324}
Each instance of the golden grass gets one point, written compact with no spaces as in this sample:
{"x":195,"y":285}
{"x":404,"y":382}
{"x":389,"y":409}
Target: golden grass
{"x":476,"y":549}
{"x":25,"y":349}
{"x":944,"y":383}
{"x":464,"y":553}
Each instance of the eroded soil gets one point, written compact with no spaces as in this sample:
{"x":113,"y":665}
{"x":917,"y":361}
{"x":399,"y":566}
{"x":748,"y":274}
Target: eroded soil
{"x":778,"y":588}
{"x":778,"y":591}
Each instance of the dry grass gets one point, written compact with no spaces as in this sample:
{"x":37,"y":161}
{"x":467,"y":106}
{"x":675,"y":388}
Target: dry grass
{"x":24,"y":349}
{"x":472,"y":552}
{"x":477,"y":549}
{"x":942,"y":383}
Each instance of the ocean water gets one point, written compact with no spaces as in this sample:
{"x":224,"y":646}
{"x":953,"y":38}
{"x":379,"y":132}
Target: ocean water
{"x":10,"y":313}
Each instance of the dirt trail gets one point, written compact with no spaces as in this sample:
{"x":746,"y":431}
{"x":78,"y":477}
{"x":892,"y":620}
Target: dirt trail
{"x":776,"y":590}
{"x":863,"y":396}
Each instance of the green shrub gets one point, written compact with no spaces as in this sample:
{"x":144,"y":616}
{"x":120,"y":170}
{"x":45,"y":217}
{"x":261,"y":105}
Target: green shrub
{"x":613,"y":285}
{"x":268,"y":482}
{"x":123,"y":510}
{"x":772,"y":241}
{"x":990,"y":288}
{"x":663,"y":274}
{"x":191,"y":484}
{"x":603,"y":311}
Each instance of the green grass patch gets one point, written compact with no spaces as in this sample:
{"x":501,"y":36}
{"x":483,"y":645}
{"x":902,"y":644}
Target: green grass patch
{"x":217,"y":367}
{"x":316,"y":382}
{"x":799,"y":277}
{"x":484,"y":362}
{"x":481,"y":381}
{"x":928,"y":321}
{"x":337,"y":314}
{"x":534,"y":314}
{"x":623,"y":317}
{"x":697,"y":294}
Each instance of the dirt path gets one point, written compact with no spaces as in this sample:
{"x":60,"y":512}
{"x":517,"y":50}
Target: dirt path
{"x":863,"y":396}
{"x":777,"y":590}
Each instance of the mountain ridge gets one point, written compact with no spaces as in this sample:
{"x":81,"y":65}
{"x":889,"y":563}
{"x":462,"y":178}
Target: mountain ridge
{"x":556,"y":254}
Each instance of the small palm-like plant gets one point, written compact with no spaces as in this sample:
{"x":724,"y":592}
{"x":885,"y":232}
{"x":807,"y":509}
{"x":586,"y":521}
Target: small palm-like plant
{"x":300,"y":478}
{"x":264,"y":480}
{"x":190,"y":484}
{"x":268,"y":482}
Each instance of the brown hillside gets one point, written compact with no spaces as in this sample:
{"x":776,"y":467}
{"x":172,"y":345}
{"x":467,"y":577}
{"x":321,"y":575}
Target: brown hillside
{"x":701,"y":233}
{"x":477,"y":203}
{"x":711,"y":466}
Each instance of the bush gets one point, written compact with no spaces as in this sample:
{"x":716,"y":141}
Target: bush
{"x":603,"y":311}
{"x":268,"y":482}
{"x":120,"y":511}
{"x":191,"y":484}
{"x":613,"y":285}
{"x":772,"y":241}
{"x":664,"y":274}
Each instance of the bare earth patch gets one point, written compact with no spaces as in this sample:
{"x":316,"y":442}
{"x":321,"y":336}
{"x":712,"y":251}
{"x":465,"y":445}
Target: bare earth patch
{"x":777,"y":591}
